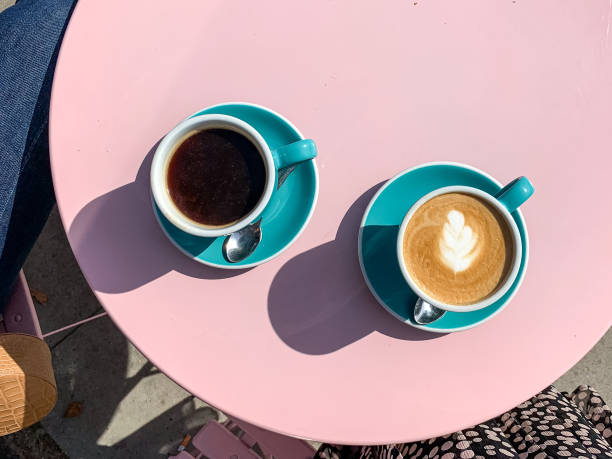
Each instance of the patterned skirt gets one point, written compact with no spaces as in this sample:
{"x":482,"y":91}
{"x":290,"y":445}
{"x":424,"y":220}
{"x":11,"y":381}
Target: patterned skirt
{"x":549,"y":425}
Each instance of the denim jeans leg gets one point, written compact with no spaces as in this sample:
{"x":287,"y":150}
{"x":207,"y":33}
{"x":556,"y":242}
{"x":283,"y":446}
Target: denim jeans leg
{"x":30,"y":36}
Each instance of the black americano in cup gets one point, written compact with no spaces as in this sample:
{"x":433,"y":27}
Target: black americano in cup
{"x":214,"y":174}
{"x":216,"y":177}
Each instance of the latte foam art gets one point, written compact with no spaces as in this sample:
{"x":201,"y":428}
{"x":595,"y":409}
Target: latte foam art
{"x":457,"y":249}
{"x":458,"y":242}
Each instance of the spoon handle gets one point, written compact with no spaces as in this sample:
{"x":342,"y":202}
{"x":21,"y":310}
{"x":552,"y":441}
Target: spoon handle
{"x":283,"y":174}
{"x":251,"y":233}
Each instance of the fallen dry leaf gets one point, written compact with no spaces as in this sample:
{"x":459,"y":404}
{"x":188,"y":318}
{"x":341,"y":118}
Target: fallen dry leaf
{"x":39,"y":297}
{"x":74,"y":409}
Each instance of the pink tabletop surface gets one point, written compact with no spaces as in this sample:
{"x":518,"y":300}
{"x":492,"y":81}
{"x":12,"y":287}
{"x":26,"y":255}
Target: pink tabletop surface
{"x":299,"y":345}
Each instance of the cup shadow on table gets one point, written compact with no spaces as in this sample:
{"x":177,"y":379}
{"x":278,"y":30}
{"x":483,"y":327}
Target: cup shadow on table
{"x":120,"y":245}
{"x":318,"y":301}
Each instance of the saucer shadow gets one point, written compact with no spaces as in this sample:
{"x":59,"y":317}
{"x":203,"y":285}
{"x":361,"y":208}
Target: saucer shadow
{"x":318,"y":301}
{"x":120,"y":245}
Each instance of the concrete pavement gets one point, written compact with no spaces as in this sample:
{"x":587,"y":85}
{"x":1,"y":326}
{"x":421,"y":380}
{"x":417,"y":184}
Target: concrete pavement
{"x":130,"y":410}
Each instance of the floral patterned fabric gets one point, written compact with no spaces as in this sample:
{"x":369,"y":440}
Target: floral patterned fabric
{"x":549,"y":425}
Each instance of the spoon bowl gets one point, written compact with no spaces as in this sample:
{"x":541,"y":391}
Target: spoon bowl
{"x":239,"y":245}
{"x":425,"y":313}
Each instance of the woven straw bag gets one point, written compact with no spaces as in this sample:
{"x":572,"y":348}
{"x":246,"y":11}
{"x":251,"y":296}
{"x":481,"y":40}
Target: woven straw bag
{"x":27,"y":386}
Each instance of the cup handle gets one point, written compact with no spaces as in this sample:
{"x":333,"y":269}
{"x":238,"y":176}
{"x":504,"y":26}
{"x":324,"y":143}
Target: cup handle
{"x":294,"y":153}
{"x":515,"y":193}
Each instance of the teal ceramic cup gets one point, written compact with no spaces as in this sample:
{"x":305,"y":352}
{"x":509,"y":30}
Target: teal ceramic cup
{"x":279,"y":158}
{"x":506,"y":201}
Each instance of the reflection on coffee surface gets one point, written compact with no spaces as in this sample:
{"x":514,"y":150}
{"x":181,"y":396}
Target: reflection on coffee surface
{"x":457,"y":249}
{"x":216,"y":177}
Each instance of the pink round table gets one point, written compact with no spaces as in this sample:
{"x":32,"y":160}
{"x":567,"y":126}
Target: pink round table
{"x":299,"y":345}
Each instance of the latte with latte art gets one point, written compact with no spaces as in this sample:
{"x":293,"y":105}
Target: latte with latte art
{"x":457,"y":249}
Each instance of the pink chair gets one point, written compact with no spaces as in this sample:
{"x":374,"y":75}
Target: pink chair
{"x":31,"y":362}
{"x":239,"y":440}
{"x":19,"y":315}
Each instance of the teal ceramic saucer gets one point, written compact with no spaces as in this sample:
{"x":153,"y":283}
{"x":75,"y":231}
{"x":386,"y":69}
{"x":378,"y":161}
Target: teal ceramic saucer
{"x":288,"y":210}
{"x":378,"y":236}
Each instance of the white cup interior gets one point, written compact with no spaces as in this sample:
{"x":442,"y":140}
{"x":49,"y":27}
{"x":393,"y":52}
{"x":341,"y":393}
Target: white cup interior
{"x":516,"y":240}
{"x":163,"y":155}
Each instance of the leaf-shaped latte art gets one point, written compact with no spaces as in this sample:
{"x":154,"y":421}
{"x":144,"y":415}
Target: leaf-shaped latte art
{"x":457,"y":242}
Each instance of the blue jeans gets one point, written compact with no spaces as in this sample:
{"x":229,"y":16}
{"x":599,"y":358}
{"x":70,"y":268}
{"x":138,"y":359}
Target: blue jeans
{"x":30,"y":35}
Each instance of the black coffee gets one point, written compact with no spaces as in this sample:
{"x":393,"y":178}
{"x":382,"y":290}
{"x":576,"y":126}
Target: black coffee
{"x":216,"y":177}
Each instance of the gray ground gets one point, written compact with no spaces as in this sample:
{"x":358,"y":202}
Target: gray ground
{"x":131,"y":410}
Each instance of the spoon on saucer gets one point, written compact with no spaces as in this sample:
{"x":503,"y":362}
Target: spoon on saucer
{"x":425,"y":313}
{"x":239,"y":245}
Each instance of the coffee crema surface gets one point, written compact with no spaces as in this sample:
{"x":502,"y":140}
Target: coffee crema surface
{"x":215,"y":177}
{"x":457,"y":249}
